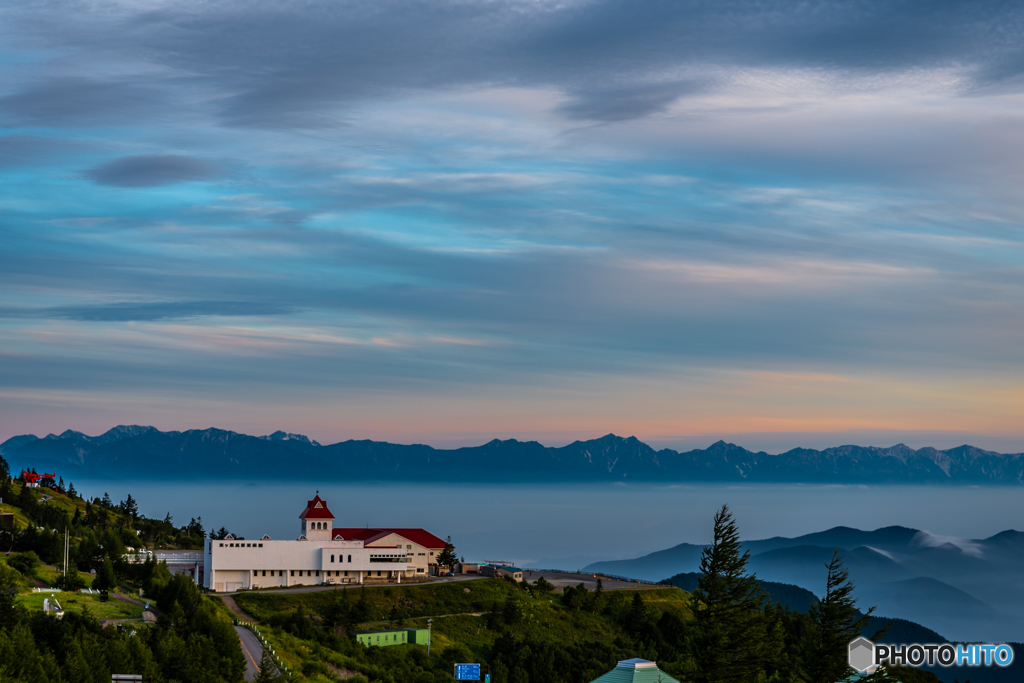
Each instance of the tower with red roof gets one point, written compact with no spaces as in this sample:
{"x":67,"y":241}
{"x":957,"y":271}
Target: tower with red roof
{"x":317,"y":520}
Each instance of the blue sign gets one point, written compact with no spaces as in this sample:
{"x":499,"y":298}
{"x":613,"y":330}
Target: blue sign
{"x":467,"y":672}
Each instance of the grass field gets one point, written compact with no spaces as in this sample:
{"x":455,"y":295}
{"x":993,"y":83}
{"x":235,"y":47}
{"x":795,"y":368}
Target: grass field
{"x":80,"y":602}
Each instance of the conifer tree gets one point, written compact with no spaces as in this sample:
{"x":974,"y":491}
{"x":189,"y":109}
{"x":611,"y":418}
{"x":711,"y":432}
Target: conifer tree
{"x":730,"y":629}
{"x":268,"y":669}
{"x":447,"y":557}
{"x":105,"y":578}
{"x":836,"y":623}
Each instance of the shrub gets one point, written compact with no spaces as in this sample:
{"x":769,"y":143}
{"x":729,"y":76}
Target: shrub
{"x":27,"y":563}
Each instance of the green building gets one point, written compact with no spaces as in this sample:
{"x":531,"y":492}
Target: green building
{"x":398,"y":636}
{"x":635,"y":671}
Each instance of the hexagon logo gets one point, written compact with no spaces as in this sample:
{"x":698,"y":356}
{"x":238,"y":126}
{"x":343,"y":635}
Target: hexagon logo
{"x":862,"y":654}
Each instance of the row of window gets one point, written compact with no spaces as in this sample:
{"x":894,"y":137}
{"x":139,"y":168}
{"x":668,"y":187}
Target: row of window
{"x":243,"y":545}
{"x":306,"y":572}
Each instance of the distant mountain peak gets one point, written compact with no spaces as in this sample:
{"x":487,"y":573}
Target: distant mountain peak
{"x":145,"y":450}
{"x":288,"y":436}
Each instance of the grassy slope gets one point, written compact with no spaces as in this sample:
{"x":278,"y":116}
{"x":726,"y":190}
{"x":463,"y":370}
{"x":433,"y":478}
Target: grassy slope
{"x":79,"y":602}
{"x":48,"y":574}
{"x":452,"y":609}
{"x":57,"y":499}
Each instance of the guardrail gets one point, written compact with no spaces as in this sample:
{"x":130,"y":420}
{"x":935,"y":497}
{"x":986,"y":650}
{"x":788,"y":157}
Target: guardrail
{"x":281,"y":668}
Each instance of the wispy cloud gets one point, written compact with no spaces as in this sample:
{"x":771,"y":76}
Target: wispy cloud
{"x":786,"y":210}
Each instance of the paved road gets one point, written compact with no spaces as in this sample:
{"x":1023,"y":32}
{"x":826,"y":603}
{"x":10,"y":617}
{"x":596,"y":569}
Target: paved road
{"x":252,"y":648}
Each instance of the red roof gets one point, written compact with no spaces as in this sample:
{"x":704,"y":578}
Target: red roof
{"x":316,"y":509}
{"x":367,"y":536}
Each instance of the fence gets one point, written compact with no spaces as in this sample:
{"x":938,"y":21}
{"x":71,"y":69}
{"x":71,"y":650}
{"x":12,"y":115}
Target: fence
{"x":281,"y":668}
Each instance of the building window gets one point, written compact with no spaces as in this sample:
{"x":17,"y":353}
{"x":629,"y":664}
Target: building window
{"x":349,"y":558}
{"x":293,"y":572}
{"x":318,"y":572}
{"x":264,"y":572}
{"x":261,"y":545}
{"x":378,"y":573}
{"x":408,"y":547}
{"x":346,"y":573}
{"x":332,"y":559}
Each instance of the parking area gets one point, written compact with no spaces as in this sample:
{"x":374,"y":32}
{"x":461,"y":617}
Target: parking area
{"x":563,"y":579}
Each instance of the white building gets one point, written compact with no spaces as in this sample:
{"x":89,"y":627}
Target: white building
{"x":321,"y":555}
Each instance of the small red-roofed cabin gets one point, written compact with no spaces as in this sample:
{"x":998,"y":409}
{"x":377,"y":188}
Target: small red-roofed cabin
{"x":421,"y":547}
{"x":317,"y":520}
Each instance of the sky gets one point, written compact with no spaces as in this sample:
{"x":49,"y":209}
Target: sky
{"x":784,"y":224}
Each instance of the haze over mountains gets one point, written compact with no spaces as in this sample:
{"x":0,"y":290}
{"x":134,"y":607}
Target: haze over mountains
{"x":962,"y":588}
{"x":136,"y":451}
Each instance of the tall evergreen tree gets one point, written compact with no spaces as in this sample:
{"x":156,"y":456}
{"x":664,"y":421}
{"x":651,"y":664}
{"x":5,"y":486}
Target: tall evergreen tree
{"x":447,"y":557}
{"x":131,"y":508}
{"x":105,"y":578}
{"x":268,"y":669}
{"x":836,"y":622}
{"x":731,"y":643}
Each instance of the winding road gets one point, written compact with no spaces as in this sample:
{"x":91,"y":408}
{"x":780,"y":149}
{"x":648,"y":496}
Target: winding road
{"x":253,"y":650}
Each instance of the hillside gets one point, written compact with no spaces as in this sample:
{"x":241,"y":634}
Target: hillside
{"x":516,"y":632}
{"x":964,"y":588}
{"x":135,"y":451}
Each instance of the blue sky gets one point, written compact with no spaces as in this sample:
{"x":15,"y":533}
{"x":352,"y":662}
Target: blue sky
{"x":786,"y":224}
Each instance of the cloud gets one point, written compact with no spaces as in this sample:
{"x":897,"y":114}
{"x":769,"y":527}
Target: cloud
{"x":628,"y":102}
{"x":450,"y":195}
{"x":150,"y":171}
{"x":65,"y":101}
{"x":29,"y":150}
{"x":925,"y":539}
{"x":128,"y":311}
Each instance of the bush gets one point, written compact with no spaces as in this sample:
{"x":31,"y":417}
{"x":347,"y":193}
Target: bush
{"x":544,"y":586}
{"x":310,"y":668}
{"x":27,"y":563}
{"x":71,"y":581}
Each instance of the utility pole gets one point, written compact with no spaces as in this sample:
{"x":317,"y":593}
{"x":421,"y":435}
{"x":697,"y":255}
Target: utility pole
{"x":429,"y":634}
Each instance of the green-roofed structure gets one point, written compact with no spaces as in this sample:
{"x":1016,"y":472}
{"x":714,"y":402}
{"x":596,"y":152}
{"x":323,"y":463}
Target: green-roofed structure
{"x":635,"y":671}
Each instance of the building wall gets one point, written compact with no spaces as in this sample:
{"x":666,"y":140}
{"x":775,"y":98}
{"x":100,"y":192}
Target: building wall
{"x":317,"y":529}
{"x":419,"y":558}
{"x":234,"y":564}
{"x":415,"y":636}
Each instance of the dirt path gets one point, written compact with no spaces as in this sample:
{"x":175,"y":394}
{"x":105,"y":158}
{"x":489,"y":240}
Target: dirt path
{"x":233,"y":606}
